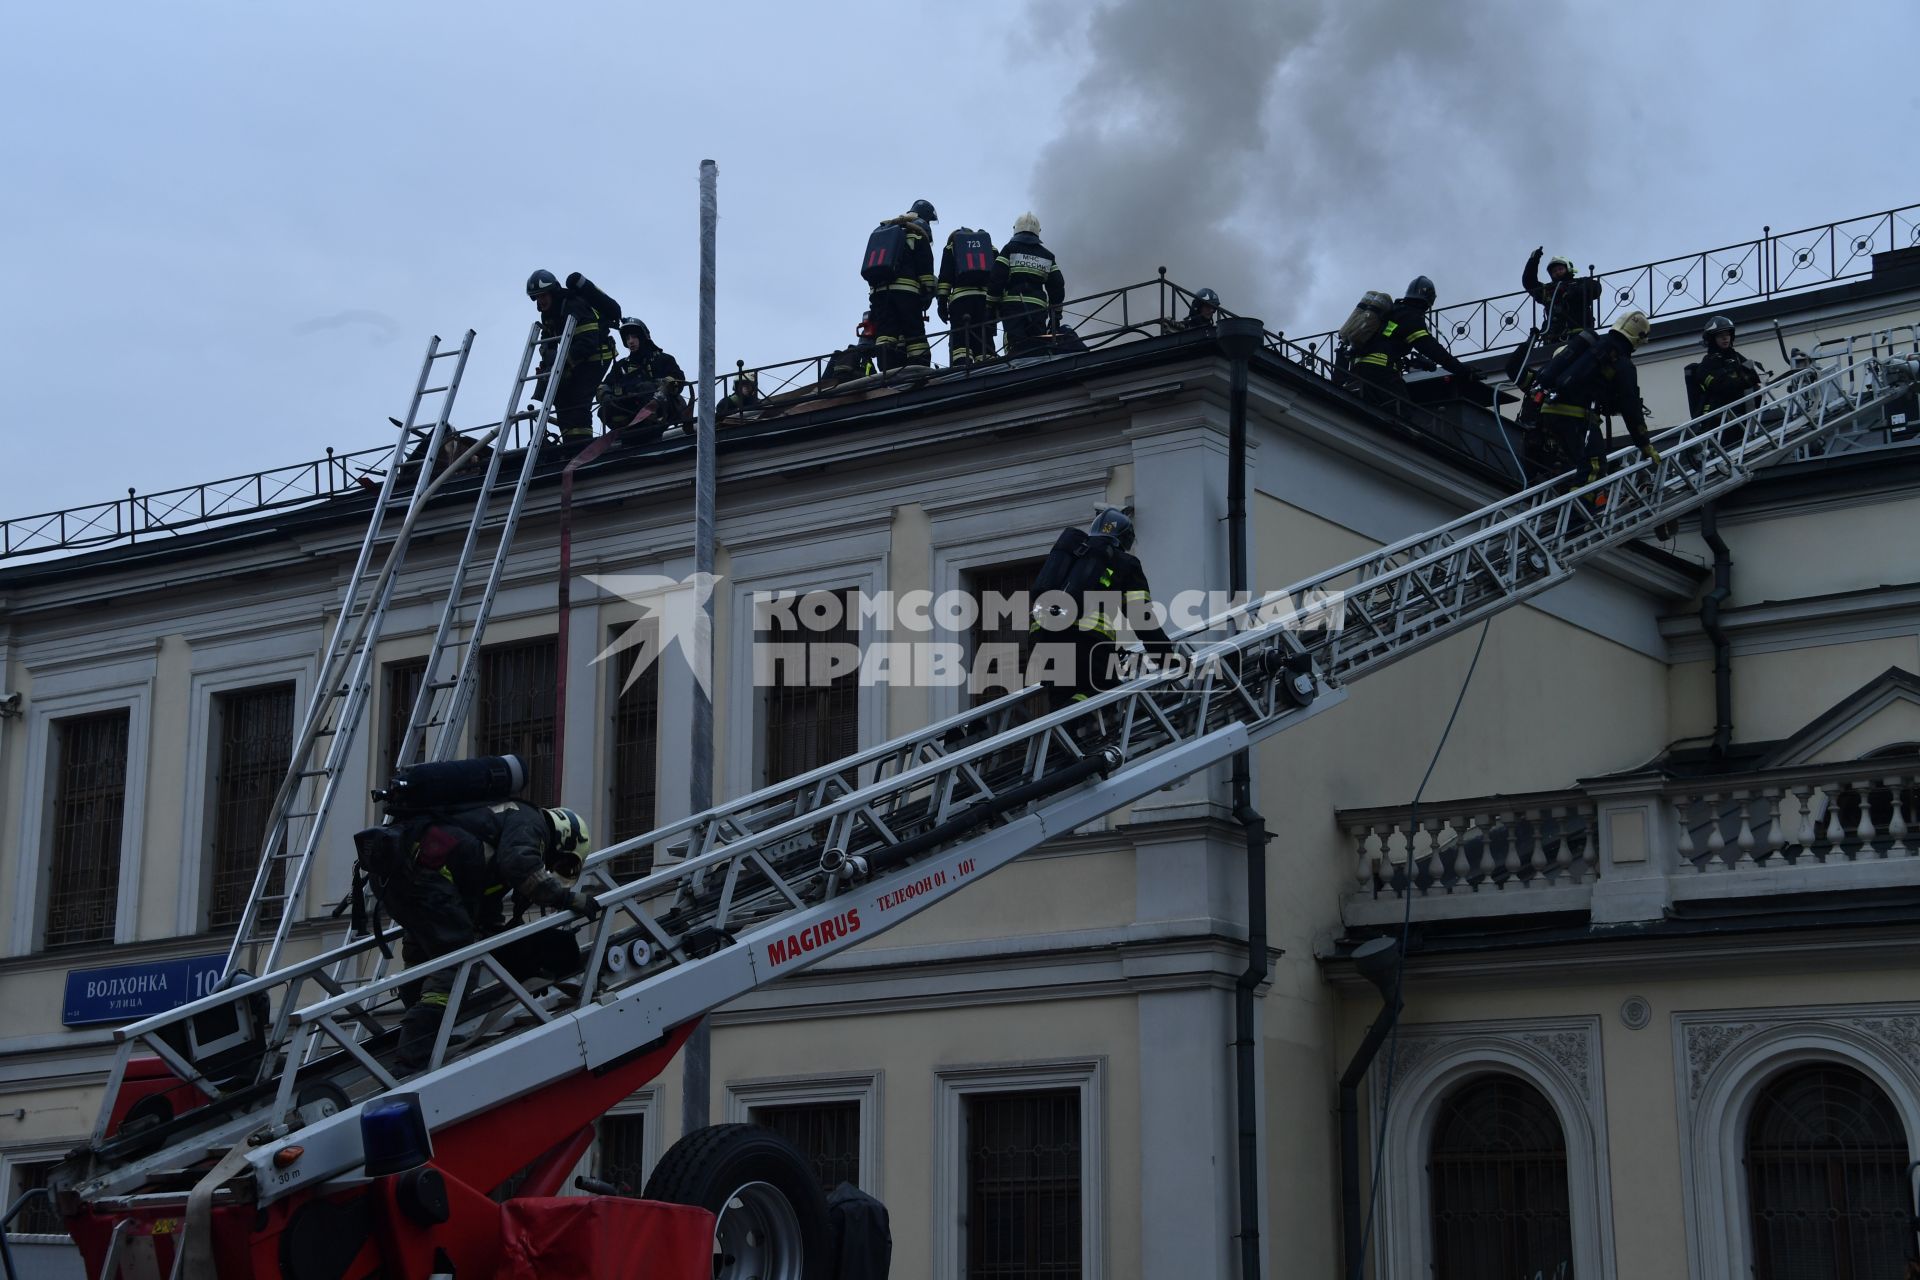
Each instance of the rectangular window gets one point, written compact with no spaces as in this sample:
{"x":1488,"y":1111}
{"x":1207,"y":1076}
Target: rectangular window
{"x":631,"y":786}
{"x":513,"y":712}
{"x":255,"y":743}
{"x":827,"y":1133}
{"x":812,"y":716}
{"x":1023,"y":1195}
{"x":403,"y":686}
{"x":39,"y":1218}
{"x":994,"y":641}
{"x":622,"y":1158}
{"x":89,"y":803}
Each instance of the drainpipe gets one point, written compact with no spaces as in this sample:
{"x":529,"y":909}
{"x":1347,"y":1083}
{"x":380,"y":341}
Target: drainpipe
{"x":1239,"y":338}
{"x":1710,"y":623}
{"x":1378,"y":960}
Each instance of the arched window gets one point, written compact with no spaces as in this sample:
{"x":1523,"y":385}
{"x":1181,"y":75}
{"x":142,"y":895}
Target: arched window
{"x":1826,"y":1177}
{"x":1498,"y":1175}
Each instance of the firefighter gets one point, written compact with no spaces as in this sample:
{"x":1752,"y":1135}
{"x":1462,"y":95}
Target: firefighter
{"x":1201,"y":315}
{"x":588,"y":355}
{"x":444,"y":876}
{"x":1724,"y":377}
{"x":1027,"y":289}
{"x":744,"y":396}
{"x":966,"y":269}
{"x":1378,"y":362}
{"x":899,"y":275}
{"x":647,"y":376}
{"x":1588,"y":378}
{"x":1088,"y":584}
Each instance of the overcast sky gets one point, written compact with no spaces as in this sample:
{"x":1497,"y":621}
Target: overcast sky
{"x":232,"y":227}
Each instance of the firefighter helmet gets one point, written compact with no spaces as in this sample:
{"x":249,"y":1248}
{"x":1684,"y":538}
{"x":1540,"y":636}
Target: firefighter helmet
{"x":634,"y":322}
{"x":1420,"y":289}
{"x":1028,"y":223}
{"x":1115,"y":523}
{"x":541,"y":282}
{"x":923,"y":210}
{"x":1560,"y":260}
{"x":570,"y":835}
{"x":1633,"y":326}
{"x":1715,"y":327}
{"x":1206,"y":298}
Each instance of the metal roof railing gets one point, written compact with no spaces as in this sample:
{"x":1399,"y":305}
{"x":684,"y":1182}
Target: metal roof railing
{"x":1747,"y":271}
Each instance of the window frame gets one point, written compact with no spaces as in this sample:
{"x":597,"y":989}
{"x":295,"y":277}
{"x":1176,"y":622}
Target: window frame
{"x":1717,"y":1099}
{"x":203,"y":744}
{"x":644,"y":1103}
{"x":609,"y":773}
{"x":953,"y":1085}
{"x":790,"y":570}
{"x":863,"y":1087}
{"x":1560,"y":1057}
{"x":33,"y":869}
{"x":470,"y":731}
{"x":11,"y":1160}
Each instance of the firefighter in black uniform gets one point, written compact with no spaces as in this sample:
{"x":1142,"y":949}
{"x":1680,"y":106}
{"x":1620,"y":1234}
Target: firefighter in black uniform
{"x":588,"y":355}
{"x":901,"y":292}
{"x":1027,"y":289}
{"x":1377,"y":364}
{"x":1096,"y":570}
{"x":646,"y":376}
{"x":1723,"y":378}
{"x":1568,"y":299}
{"x":444,"y":876}
{"x":1201,"y":315}
{"x":1589,"y":377}
{"x":966,"y":269}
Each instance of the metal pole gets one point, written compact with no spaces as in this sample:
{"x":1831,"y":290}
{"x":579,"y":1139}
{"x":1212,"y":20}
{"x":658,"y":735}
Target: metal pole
{"x":696,"y":1057}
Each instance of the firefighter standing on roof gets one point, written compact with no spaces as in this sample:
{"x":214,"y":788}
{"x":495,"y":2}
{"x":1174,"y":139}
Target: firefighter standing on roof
{"x":645,"y":376}
{"x":1567,"y":299}
{"x":594,"y":315}
{"x":444,"y":877}
{"x":1378,"y":362}
{"x":898,"y":270}
{"x":1027,"y":289}
{"x":1087,"y":585}
{"x":966,"y":270}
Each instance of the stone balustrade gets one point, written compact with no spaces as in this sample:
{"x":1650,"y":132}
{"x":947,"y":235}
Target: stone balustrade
{"x":1511,"y":849}
{"x":1638,"y":847}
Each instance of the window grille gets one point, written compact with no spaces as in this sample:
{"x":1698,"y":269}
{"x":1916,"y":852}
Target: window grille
{"x":513,"y":714}
{"x":1826,"y":1178}
{"x":39,"y":1218}
{"x":827,"y":1133}
{"x":809,"y":724}
{"x":994,"y":653}
{"x":623,"y":1152}
{"x":1498,"y":1173}
{"x":636,"y":733}
{"x":1023,"y":1194}
{"x":403,"y":686}
{"x":89,"y":806}
{"x":255,"y":747}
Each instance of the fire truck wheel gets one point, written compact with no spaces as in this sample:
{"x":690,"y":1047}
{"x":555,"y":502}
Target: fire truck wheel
{"x":770,"y":1215}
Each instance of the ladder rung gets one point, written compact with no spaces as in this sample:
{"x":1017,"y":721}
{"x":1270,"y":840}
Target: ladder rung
{"x":427,"y":391}
{"x":450,"y":351}
{"x":311,"y":773}
{"x":441,"y":684}
{"x":304,"y":813}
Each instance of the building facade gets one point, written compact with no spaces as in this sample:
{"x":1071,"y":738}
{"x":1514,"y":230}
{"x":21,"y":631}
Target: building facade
{"x":1657,"y":997}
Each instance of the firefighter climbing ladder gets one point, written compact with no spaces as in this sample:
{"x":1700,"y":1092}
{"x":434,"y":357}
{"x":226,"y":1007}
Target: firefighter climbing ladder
{"x":763,"y":886}
{"x":345,"y":681}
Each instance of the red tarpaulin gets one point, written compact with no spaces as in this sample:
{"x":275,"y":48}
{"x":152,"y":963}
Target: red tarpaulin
{"x":604,"y":1237}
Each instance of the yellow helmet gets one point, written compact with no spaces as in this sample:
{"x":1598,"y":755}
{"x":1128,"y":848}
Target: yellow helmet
{"x":1633,"y":326}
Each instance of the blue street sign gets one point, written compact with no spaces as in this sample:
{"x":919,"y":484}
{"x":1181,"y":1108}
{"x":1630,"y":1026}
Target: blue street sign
{"x":129,"y":992}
